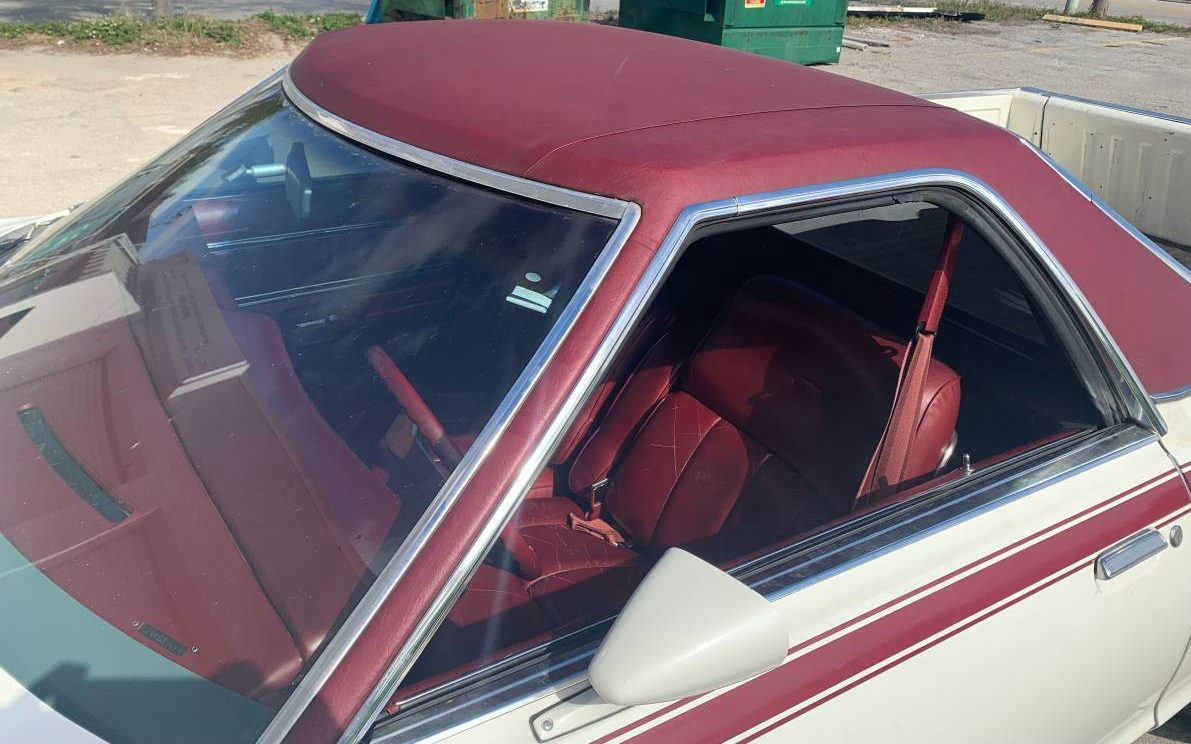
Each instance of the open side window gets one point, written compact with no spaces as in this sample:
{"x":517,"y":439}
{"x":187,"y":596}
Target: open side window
{"x":743,"y":410}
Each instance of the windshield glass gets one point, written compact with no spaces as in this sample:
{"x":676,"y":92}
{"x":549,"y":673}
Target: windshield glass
{"x":232,"y":386}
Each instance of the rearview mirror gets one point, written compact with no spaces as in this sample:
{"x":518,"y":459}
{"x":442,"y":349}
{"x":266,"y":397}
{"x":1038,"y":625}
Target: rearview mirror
{"x":689,"y":628}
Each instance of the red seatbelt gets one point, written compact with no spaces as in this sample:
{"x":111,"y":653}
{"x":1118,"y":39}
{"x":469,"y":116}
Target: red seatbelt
{"x":887,"y":466}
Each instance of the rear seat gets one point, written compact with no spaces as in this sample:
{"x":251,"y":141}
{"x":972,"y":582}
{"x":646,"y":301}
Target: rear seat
{"x":762,"y":433}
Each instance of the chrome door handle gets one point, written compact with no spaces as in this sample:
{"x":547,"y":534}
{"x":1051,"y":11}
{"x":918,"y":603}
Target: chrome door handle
{"x":1128,"y":553}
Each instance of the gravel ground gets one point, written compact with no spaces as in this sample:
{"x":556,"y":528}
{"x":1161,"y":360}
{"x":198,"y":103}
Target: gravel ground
{"x":1149,"y":71}
{"x":73,"y":124}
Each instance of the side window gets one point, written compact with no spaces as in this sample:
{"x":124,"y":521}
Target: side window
{"x":744,"y":410}
{"x":894,"y":243}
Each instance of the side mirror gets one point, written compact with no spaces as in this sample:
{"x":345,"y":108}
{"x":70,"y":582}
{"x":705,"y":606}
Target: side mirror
{"x":689,"y":628}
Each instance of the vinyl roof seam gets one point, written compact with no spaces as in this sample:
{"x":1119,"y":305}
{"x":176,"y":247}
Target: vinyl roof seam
{"x":590,"y":138}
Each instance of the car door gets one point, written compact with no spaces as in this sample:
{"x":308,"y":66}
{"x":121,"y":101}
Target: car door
{"x":996,"y":628}
{"x":987,"y":618}
{"x":1034,"y":596}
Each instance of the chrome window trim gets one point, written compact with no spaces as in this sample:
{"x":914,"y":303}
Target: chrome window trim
{"x":555,"y":668}
{"x":1142,"y":238}
{"x":1146,"y":242}
{"x":668,"y":252}
{"x":1144,"y":408}
{"x":340,"y":643}
{"x":591,"y":203}
{"x":525,"y":477}
{"x":1172,"y":395}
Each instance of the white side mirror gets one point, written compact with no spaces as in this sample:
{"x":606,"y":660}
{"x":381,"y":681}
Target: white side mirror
{"x":689,"y":628}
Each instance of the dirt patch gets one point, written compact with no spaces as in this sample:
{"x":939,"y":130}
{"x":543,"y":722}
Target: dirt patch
{"x":1144,"y":70}
{"x":72,"y":125}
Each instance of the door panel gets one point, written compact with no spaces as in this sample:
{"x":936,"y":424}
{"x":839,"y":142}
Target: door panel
{"x":995,"y":628}
{"x":1002,"y":612}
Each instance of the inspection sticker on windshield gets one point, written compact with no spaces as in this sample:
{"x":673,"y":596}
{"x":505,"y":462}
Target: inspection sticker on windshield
{"x":532,"y":299}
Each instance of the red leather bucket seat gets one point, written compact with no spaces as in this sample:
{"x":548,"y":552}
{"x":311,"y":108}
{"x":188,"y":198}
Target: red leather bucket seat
{"x":763,"y":432}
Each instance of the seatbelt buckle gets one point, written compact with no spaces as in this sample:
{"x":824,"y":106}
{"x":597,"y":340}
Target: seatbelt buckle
{"x":594,"y":505}
{"x":597,"y":527}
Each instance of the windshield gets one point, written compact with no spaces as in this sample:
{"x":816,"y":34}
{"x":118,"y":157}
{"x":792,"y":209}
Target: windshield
{"x":232,"y":386}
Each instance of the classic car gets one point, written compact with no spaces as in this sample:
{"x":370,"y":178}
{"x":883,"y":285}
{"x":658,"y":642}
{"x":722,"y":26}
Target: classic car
{"x":513,"y":381}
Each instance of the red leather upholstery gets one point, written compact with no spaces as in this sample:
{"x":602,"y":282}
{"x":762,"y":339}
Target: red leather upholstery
{"x":764,"y":432}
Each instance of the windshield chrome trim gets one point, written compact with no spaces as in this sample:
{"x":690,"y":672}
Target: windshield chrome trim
{"x":361,"y":615}
{"x":664,"y":259}
{"x":526,"y":474}
{"x":591,"y":203}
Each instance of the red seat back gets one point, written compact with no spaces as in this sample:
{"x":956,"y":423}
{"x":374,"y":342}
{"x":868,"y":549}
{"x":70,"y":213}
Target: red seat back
{"x":773,"y":419}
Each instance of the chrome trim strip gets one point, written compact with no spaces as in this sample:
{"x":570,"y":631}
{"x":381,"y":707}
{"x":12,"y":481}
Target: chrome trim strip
{"x":1051,"y":94}
{"x":1129,"y":553}
{"x":1144,"y":239}
{"x":1147,"y":413}
{"x":491,"y":697}
{"x":668,"y":253}
{"x":361,"y":615}
{"x":534,"y":462}
{"x":590,"y":203}
{"x":900,"y":524}
{"x":1172,"y":395}
{"x":557,"y":668}
{"x":1106,"y":104}
{"x":1066,"y":175}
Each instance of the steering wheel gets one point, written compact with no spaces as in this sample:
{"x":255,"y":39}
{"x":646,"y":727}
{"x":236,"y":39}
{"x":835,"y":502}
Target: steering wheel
{"x":429,"y":427}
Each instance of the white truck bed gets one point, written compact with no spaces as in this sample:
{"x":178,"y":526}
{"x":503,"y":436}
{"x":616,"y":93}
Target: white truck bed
{"x":1138,"y":162}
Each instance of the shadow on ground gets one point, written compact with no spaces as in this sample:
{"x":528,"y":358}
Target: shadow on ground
{"x":1177,"y":729}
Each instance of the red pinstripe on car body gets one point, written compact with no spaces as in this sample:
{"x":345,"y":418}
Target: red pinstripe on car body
{"x":851,"y":653}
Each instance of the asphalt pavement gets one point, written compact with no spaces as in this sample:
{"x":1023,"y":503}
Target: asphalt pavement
{"x":36,"y":11}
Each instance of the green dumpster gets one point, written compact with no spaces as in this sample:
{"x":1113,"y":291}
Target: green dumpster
{"x":802,"y":31}
{"x":410,"y":10}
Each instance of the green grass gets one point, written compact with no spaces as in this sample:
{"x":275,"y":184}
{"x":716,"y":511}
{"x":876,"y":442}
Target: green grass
{"x":292,"y":26}
{"x":177,"y":33}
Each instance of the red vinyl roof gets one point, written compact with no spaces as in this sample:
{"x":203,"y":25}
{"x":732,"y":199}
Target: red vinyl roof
{"x":667,"y":123}
{"x":506,"y":94}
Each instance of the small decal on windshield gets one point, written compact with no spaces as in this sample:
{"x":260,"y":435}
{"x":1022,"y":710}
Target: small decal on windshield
{"x":531,"y":299}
